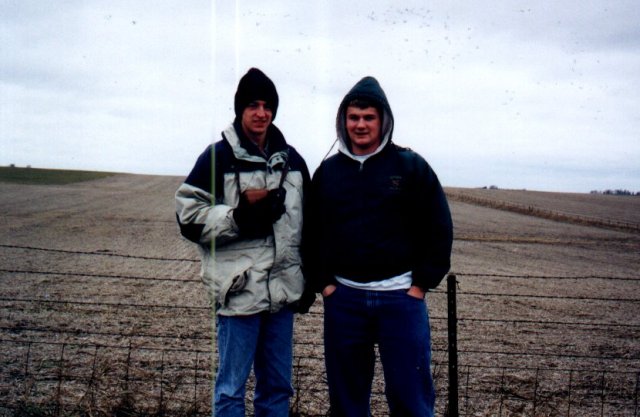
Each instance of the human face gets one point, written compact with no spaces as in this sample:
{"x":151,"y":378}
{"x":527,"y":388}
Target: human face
{"x":363,"y":127}
{"x":256,"y":118}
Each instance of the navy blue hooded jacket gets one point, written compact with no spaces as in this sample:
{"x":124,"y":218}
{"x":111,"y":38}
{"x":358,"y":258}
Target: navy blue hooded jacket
{"x":378,"y":219}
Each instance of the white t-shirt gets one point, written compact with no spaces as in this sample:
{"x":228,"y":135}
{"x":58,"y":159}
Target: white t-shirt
{"x":400,"y":282}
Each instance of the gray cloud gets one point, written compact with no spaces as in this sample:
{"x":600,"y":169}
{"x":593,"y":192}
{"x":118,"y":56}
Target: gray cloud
{"x":518,"y":94}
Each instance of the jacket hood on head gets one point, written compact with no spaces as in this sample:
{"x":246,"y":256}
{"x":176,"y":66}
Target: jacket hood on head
{"x":367,"y":88}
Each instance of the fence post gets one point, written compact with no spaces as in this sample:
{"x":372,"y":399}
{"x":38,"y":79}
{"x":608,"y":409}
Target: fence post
{"x":635,"y":396}
{"x":452,"y":324}
{"x":26,"y":372}
{"x":569,"y":394}
{"x":602,"y":392}
{"x":195,"y":386}
{"x":60,"y":376}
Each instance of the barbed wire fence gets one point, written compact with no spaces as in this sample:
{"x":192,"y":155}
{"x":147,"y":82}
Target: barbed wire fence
{"x":502,"y":367}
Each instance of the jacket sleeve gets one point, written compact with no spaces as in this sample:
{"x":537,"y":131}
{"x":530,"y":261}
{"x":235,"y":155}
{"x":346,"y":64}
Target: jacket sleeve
{"x":316,"y":272}
{"x":201,"y":215}
{"x":433,"y":237}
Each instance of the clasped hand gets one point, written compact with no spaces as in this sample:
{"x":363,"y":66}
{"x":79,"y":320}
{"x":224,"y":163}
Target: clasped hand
{"x":258,"y":210}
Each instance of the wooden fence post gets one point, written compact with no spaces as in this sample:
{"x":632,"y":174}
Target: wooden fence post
{"x":452,"y":328}
{"x":635,"y":396}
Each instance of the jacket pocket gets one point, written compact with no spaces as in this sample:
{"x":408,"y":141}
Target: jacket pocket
{"x":233,"y":285}
{"x":238,"y":282}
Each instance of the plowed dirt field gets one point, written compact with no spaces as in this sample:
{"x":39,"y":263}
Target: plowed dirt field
{"x":102,"y":310}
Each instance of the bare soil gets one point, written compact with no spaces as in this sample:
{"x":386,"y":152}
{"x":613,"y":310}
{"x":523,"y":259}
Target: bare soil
{"x":101,"y":306}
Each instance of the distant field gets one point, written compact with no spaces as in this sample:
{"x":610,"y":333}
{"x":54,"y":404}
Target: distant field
{"x":48,"y":176}
{"x":612,"y":211}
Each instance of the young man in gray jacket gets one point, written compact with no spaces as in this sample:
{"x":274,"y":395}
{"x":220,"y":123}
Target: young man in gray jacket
{"x":242,"y":204}
{"x":380,"y":235}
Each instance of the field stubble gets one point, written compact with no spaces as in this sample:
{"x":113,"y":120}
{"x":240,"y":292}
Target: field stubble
{"x":102,"y":307}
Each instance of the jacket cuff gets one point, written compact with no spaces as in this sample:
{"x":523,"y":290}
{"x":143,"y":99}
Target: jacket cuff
{"x":323,"y":280}
{"x":427,"y":280}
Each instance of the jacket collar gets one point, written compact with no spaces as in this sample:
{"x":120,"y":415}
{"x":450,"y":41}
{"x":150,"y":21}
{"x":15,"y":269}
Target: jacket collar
{"x":245,"y":149}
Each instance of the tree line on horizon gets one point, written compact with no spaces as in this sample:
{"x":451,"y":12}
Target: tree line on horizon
{"x":615,"y":192}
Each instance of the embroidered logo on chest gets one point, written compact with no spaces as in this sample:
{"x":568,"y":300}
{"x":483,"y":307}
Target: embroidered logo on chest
{"x":395,"y":182}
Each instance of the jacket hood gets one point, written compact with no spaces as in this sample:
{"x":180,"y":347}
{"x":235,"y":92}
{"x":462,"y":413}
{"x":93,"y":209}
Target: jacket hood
{"x":367,"y":88}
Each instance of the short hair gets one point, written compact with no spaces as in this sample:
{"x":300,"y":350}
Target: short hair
{"x":363,"y":103}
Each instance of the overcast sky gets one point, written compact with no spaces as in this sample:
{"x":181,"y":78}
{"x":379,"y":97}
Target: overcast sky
{"x":541,"y":95}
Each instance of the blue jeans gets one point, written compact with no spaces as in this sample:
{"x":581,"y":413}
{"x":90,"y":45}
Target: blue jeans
{"x":354,"y":322}
{"x":265,"y":341}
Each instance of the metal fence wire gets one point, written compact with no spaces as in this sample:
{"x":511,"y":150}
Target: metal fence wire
{"x":70,"y":356}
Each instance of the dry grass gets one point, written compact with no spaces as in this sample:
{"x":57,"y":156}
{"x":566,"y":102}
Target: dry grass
{"x":35,"y":176}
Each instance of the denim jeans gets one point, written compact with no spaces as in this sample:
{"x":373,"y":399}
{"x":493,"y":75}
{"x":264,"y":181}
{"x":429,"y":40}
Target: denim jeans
{"x":354,"y":322}
{"x":265,"y":341}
